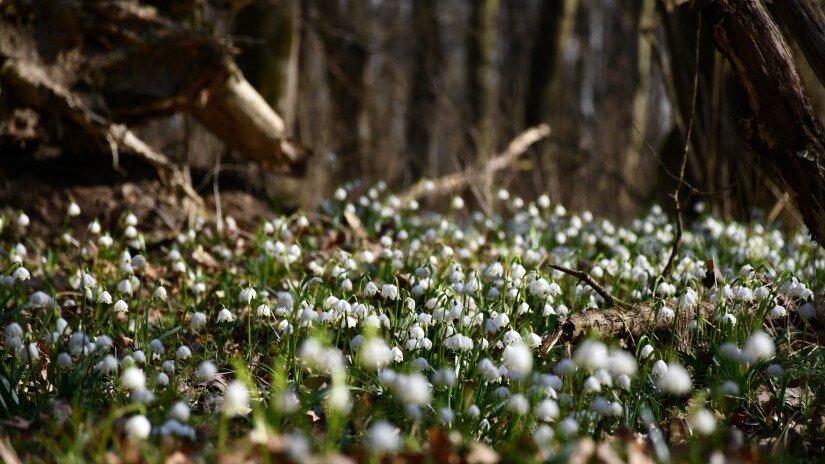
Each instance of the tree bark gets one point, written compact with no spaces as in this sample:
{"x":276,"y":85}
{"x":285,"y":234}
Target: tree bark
{"x":782,"y":127}
{"x":805,"y":20}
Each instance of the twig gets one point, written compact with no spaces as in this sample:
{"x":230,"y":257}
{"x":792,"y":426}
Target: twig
{"x":586,"y":278}
{"x":458,"y":180}
{"x":680,"y":227}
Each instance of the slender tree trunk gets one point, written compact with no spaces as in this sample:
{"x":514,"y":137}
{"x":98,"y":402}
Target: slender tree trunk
{"x":427,"y":61}
{"x":782,"y":128}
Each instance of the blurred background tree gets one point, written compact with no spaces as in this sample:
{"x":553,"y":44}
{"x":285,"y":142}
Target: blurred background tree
{"x":397,"y":90}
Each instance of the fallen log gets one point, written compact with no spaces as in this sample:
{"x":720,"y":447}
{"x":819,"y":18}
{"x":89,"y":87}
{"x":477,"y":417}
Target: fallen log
{"x":456,"y":181}
{"x":33,"y":86}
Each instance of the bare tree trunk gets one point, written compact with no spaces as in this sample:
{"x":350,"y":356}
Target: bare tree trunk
{"x":805,"y":20}
{"x":783,"y":128}
{"x":427,"y":62}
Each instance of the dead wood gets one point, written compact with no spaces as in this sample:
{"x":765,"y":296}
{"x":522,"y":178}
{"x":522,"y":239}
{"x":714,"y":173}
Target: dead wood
{"x":32,"y":85}
{"x":454,"y":182}
{"x":118,"y":62}
{"x":783,"y":128}
{"x":805,"y":20}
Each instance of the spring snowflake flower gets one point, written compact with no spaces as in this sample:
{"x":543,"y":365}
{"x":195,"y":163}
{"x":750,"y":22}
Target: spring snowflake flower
{"x":647,"y":350}
{"x":28,"y":353}
{"x":207,"y":371}
{"x":179,"y":412}
{"x":198,"y":320}
{"x":565,"y":366}
{"x":120,"y":307}
{"x":339,"y":399}
{"x":137,"y":428}
{"x":623,"y":381}
{"x":40,"y":299}
{"x":224,"y":315}
{"x":621,"y":362}
{"x":591,"y":384}
{"x":156,"y":347}
{"x":569,"y":426}
{"x":107,"y":365}
{"x":389,"y":291}
{"x":547,"y":410}
{"x":413,"y":389}
{"x":183,"y":352}
{"x":374,"y":354}
{"x":263,"y":311}
{"x":64,"y":360}
{"x":806,"y":312}
{"x":162,"y":379}
{"x":777,"y":312}
{"x":675,"y":381}
{"x":247,"y":294}
{"x":23,"y":220}
{"x":138,"y":262}
{"x":383,"y":437}
{"x":665,"y":315}
{"x":73,"y":210}
{"x":235,"y":399}
{"x":729,"y":388}
{"x":457,"y":203}
{"x":703,"y":422}
{"x":775,"y":370}
{"x":104,"y":297}
{"x":659,"y":368}
{"x":518,"y":359}
{"x":591,"y":354}
{"x":488,"y":370}
{"x":133,"y":378}
{"x":518,"y":404}
{"x":21,"y":274}
{"x":160,"y":293}
{"x":759,"y":347}
{"x":459,"y":342}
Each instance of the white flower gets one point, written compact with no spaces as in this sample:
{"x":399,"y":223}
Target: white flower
{"x":518,"y":404}
{"x":389,"y":291}
{"x":623,"y":382}
{"x":569,"y":426}
{"x":247,"y":294}
{"x":64,"y":360}
{"x":759,"y":347}
{"x":263,"y":311}
{"x":104,"y":297}
{"x":156,"y":346}
{"x":374,"y":354}
{"x":488,"y":370}
{"x":74,"y":210}
{"x":21,"y":274}
{"x":40,"y":299}
{"x":775,"y":370}
{"x":806,"y":311}
{"x":729,"y":388}
{"x":518,"y":359}
{"x":777,"y":312}
{"x":547,"y":410}
{"x":591,"y":384}
{"x":179,"y":412}
{"x":160,"y":293}
{"x":457,"y":203}
{"x":646,"y":351}
{"x":235,"y":399}
{"x":591,"y":354}
{"x":370,"y":289}
{"x":224,"y":315}
{"x":107,"y":366}
{"x":675,"y":381}
{"x":133,"y":378}
{"x":659,"y":368}
{"x":137,"y":428}
{"x":183,"y":352}
{"x":121,"y":307}
{"x":22,"y":220}
{"x":29,"y":352}
{"x":458,"y":342}
{"x":339,"y":399}
{"x":162,"y":378}
{"x":198,"y":320}
{"x":665,"y":315}
{"x":383,"y":437}
{"x":621,"y":362}
{"x":703,"y":422}
{"x":413,"y":389}
{"x":207,"y":371}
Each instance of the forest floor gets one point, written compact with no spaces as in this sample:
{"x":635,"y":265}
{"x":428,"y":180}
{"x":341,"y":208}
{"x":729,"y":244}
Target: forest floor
{"x":372,"y":330}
